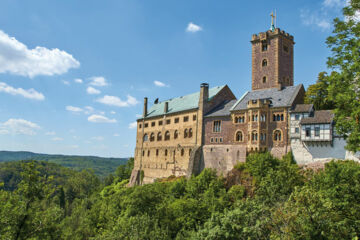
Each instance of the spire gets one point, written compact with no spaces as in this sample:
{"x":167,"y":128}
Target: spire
{"x":273,"y":21}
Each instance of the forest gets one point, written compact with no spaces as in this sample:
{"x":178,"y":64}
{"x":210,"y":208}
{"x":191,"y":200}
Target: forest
{"x":263,"y":198}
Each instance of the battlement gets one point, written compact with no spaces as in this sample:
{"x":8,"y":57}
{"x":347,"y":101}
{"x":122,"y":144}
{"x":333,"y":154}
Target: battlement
{"x":271,"y":34}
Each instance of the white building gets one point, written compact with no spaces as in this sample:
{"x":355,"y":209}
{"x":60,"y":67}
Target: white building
{"x":313,"y":136}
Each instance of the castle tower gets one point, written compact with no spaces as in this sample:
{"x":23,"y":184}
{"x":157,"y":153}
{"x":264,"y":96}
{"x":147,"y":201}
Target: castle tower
{"x":272,"y":59}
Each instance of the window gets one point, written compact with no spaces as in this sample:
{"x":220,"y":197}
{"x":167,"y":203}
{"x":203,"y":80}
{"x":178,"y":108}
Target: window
{"x":211,"y":140}
{"x":148,"y":153}
{"x":221,"y":140}
{"x":277,"y":135}
{"x":297,"y":117}
{"x":182,"y":152}
{"x":157,"y":152}
{"x":264,"y":79}
{"x":264,"y":46}
{"x":263,"y":118}
{"x":254,"y":136}
{"x":167,"y":135}
{"x":239,"y":136}
{"x":176,"y":120}
{"x":152,"y":137}
{"x":216,"y":139}
{"x":263,"y":137}
{"x":143,"y":153}
{"x":168,"y":121}
{"x":282,"y":117}
{"x":190,"y":133}
{"x":189,"y":152}
{"x":160,"y":123}
{"x":185,"y":133}
{"x":317,"y":131}
{"x":159,"y":137}
{"x":140,"y":125}
{"x":297,"y":130}
{"x":146,"y":125}
{"x":194,"y":117}
{"x":264,"y":63}
{"x":254,"y":101}
{"x":217,"y":126}
{"x":146,"y":138}
{"x":176,"y":134}
{"x":186,"y":118}
{"x":153,"y":124}
{"x":165,"y":152}
{"x":308,"y":132}
{"x":286,"y":48}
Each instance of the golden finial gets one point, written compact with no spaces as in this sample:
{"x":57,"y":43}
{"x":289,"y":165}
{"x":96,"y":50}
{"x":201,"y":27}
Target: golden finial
{"x":273,"y":20}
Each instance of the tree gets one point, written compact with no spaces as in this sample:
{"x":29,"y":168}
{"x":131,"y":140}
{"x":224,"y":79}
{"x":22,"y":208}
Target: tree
{"x":344,"y":88}
{"x":318,"y":93}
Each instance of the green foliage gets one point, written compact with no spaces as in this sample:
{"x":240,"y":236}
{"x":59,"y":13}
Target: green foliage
{"x":284,"y":205}
{"x":318,"y":93}
{"x":344,"y":87}
{"x":124,"y":171}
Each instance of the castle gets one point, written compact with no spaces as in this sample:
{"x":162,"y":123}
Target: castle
{"x":213,"y":129}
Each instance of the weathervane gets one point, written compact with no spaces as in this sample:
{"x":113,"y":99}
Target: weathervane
{"x":273,"y":21}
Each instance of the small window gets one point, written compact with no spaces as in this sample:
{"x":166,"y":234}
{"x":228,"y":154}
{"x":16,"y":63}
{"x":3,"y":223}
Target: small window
{"x":165,"y":152}
{"x":194,"y":117}
{"x":146,"y":138}
{"x":286,"y":48}
{"x":160,"y":123}
{"x":217,"y":126}
{"x":153,"y":124}
{"x":152,"y":137}
{"x":176,"y":120}
{"x":146,"y":125}
{"x":182,"y":152}
{"x":297,"y":117}
{"x":143,"y":153}
{"x":168,"y":121}
{"x":282,"y":117}
{"x":157,"y":152}
{"x":221,"y":140}
{"x":186,"y":118}
{"x":239,"y":136}
{"x":211,"y":140}
{"x":140,"y":125}
{"x":277,"y":135}
{"x":254,"y":101}
{"x":264,"y":46}
{"x":264,"y":79}
{"x":185,"y":133}
{"x":297,"y":130}
{"x":189,"y":152}
{"x":264,"y":63}
{"x":216,"y":139}
{"x":176,"y":134}
{"x":159,"y":137}
{"x":308,"y":132}
{"x":167,"y":136}
{"x":190,"y":133}
{"x":317,"y":131}
{"x":148,"y":153}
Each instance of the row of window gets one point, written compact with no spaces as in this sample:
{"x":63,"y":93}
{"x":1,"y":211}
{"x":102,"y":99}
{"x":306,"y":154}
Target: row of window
{"x":264,"y":47}
{"x":308,"y":132}
{"x":168,"y":121}
{"x":182,"y":152}
{"x":239,"y":137}
{"x":188,"y":133}
{"x":216,"y":140}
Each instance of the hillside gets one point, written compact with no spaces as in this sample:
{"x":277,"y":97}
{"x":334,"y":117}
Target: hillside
{"x":101,"y":166}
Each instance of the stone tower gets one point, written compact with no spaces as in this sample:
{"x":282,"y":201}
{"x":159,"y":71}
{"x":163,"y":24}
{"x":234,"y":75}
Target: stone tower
{"x":272,"y":59}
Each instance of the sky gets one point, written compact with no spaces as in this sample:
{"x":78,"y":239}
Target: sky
{"x":73,"y":73}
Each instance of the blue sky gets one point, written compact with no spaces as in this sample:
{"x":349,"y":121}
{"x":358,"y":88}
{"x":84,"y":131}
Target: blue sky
{"x":73,"y":74}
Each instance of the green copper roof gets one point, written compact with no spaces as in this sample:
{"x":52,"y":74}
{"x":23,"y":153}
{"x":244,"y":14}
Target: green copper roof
{"x":179,"y":104}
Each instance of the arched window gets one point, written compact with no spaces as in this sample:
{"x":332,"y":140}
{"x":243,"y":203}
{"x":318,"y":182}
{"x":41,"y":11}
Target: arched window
{"x":146,"y":138}
{"x":165,"y":152}
{"x":277,"y":135}
{"x":236,"y":120}
{"x":143,"y":153}
{"x":157,"y":152}
{"x":182,"y":152}
{"x":176,"y":134}
{"x":282,"y":117}
{"x":185,"y":133}
{"x":264,"y":62}
{"x":190,"y":132}
{"x":264,"y":79}
{"x":239,"y":136}
{"x":167,"y":135}
{"x":254,"y":136}
{"x":278,"y":117}
{"x":148,"y":153}
{"x":159,"y":136}
{"x":152,"y":137}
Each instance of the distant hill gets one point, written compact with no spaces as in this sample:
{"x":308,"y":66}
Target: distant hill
{"x":101,"y":166}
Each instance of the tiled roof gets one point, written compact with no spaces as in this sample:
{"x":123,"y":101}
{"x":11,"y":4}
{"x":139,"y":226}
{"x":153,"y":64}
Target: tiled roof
{"x":222,"y":110}
{"x":279,"y":98}
{"x":302,"y":108}
{"x":323,"y":116}
{"x":179,"y":104}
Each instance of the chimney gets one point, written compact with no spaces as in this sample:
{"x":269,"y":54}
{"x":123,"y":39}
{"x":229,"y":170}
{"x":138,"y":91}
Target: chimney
{"x":204,"y":95}
{"x":145,"y":107}
{"x":166,"y":107}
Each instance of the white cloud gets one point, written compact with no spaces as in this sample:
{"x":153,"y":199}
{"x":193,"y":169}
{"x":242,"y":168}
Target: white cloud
{"x":74,"y":146}
{"x":56,"y":139}
{"x":91,"y":90}
{"x":18,"y":126}
{"x":88,"y":110}
{"x":116,"y":101}
{"x":113,"y":112}
{"x":315,"y":19}
{"x":16,"y":58}
{"x":159,"y":84}
{"x":99,"y":138}
{"x":78,"y":80}
{"x":133,"y":125}
{"x":333,"y":3}
{"x":138,"y":115}
{"x":30,"y":93}
{"x":193,"y":28}
{"x":74,"y":109}
{"x":66,"y":82}
{"x":100,"y":119}
{"x":116,"y":135}
{"x":98,"y":81}
{"x":50,"y":133}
